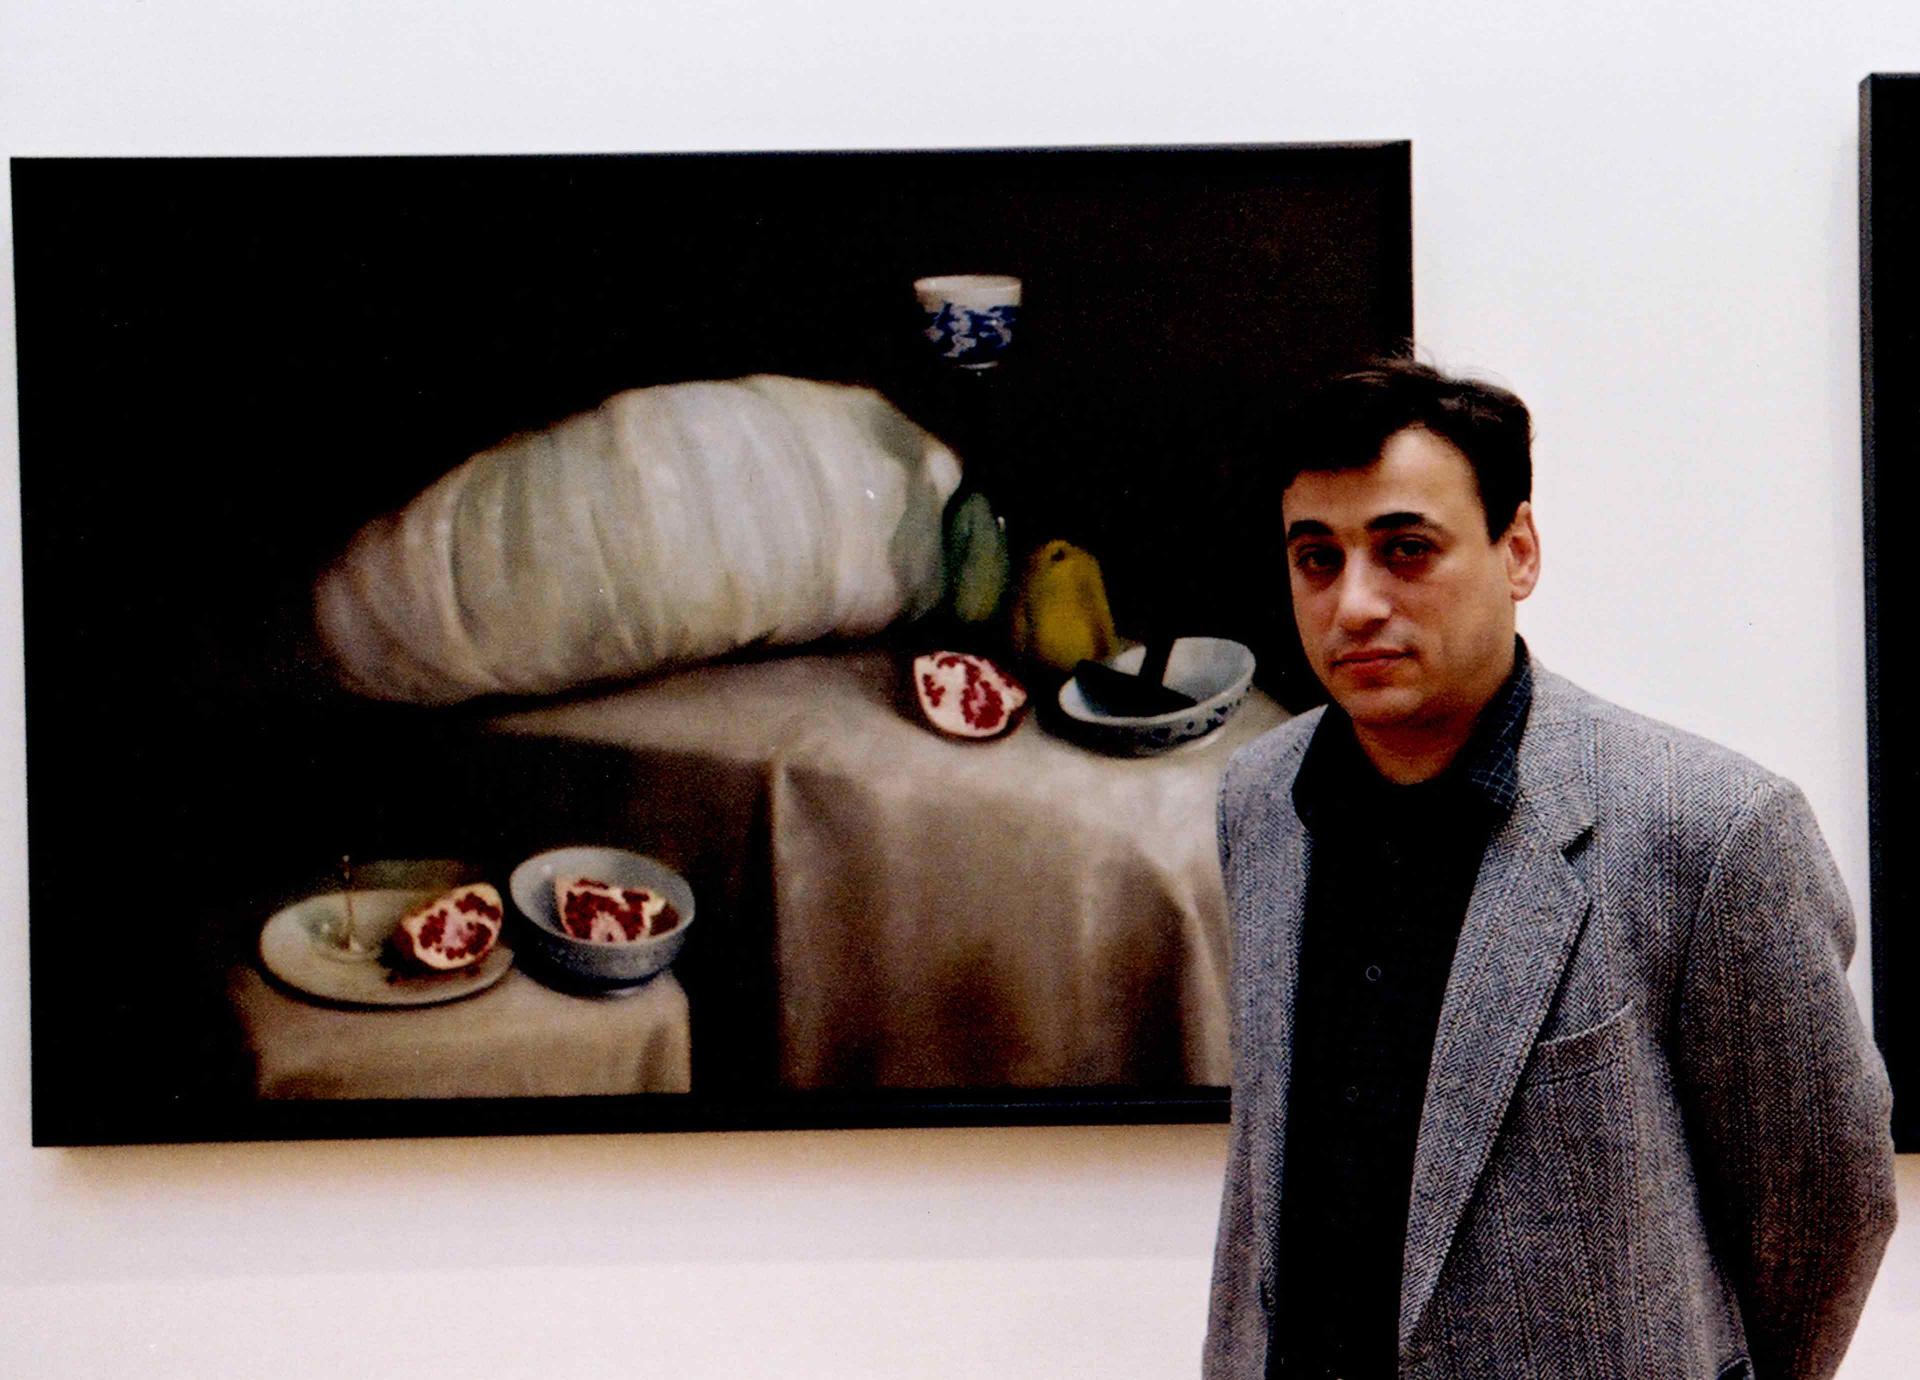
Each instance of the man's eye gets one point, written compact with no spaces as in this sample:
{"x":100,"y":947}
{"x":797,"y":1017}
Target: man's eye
{"x":1408,"y":549}
{"x":1316,"y":560}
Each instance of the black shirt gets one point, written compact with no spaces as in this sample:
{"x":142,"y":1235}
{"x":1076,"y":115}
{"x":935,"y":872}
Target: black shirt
{"x":1391,"y":870}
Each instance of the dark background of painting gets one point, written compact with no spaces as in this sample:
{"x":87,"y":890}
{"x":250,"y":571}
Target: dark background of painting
{"x":226,"y":366}
{"x":1889,"y":368}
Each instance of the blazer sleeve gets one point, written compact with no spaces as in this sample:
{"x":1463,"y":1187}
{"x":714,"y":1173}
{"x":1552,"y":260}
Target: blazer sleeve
{"x":1787,"y":1100}
{"x":1236,"y":1338}
{"x":1236,"y":1344}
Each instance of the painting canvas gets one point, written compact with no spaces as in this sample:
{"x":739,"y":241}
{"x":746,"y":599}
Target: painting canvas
{"x":1889,"y":366}
{"x":477,"y":610}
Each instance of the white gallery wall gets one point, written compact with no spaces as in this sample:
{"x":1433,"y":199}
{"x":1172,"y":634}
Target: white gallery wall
{"x":1642,"y":217}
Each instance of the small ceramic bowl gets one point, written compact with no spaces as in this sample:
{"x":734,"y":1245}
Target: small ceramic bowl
{"x":970,"y":316}
{"x":1216,"y":671}
{"x":591,"y":963}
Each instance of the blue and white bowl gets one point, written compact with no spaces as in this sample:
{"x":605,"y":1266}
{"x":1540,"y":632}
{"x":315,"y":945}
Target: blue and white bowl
{"x":588,"y":963}
{"x":1216,"y":671}
{"x":970,"y":316}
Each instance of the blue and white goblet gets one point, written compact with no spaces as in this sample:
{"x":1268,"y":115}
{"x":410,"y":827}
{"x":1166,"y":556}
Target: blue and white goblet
{"x":970,"y":316}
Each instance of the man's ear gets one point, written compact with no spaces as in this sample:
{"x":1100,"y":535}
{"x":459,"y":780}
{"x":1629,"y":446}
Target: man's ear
{"x":1520,"y":544}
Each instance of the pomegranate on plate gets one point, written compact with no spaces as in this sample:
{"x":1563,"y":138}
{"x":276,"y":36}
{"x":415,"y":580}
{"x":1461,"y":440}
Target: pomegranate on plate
{"x":966,"y":696}
{"x":607,"y":914}
{"x":456,"y":929}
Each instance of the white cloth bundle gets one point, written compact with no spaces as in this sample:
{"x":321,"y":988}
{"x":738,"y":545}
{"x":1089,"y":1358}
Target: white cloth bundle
{"x":668,"y":525}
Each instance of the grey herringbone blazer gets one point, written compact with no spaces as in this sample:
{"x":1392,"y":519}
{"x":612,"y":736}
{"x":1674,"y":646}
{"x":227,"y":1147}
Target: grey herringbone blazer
{"x":1655,"y":1139}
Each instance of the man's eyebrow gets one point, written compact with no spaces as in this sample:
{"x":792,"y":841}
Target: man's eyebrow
{"x":1386,"y":522}
{"x":1392,"y":522}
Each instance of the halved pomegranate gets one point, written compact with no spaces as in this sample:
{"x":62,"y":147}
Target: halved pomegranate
{"x":456,"y":929}
{"x":966,"y":696}
{"x":607,"y":914}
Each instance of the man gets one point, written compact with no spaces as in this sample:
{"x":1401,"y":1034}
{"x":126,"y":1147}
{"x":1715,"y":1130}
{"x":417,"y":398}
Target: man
{"x":1545,"y":1062}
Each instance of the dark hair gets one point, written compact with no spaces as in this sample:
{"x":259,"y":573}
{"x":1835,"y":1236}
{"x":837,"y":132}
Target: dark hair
{"x":1346,"y":422}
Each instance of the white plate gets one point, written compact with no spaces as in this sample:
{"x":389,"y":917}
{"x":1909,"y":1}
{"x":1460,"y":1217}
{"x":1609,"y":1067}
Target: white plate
{"x":296,"y":946}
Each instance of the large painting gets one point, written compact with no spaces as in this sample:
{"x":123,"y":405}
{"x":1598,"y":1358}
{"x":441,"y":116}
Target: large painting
{"x":1890,"y":382}
{"x":585,"y":643}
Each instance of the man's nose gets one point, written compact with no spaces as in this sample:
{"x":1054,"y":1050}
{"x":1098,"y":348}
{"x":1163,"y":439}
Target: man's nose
{"x":1363,"y":596}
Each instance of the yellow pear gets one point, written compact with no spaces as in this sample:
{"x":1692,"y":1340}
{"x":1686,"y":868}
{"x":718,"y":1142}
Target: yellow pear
{"x":1061,"y":617}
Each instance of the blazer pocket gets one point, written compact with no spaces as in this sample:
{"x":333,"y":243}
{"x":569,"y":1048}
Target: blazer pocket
{"x":1566,"y":1055}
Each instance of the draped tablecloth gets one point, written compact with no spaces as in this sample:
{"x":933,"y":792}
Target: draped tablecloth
{"x":931,"y":913}
{"x":515,"y":1039}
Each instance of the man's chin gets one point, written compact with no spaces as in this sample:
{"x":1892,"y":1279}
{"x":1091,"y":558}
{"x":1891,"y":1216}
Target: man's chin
{"x":1378,"y":705}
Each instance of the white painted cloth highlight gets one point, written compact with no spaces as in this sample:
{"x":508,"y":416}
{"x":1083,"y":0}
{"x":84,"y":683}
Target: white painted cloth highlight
{"x":667,"y":526}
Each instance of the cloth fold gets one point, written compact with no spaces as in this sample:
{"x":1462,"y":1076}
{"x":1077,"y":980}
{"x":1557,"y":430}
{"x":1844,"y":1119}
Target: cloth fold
{"x":667,"y":526}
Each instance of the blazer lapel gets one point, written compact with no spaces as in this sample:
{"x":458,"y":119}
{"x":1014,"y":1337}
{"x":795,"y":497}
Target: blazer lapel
{"x":1527,"y":910}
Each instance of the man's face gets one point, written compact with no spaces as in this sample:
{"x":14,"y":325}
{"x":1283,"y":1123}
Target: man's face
{"x":1404,"y":606}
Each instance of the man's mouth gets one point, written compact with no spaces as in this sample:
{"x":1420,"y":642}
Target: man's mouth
{"x":1368,"y":656}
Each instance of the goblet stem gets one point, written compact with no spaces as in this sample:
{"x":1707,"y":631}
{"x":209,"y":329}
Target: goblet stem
{"x":346,"y":878}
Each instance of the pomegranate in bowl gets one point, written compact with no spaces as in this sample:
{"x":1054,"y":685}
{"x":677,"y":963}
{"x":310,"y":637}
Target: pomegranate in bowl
{"x":592,"y":909}
{"x":619,"y":933}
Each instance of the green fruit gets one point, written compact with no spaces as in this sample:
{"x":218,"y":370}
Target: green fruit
{"x":979,"y":565}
